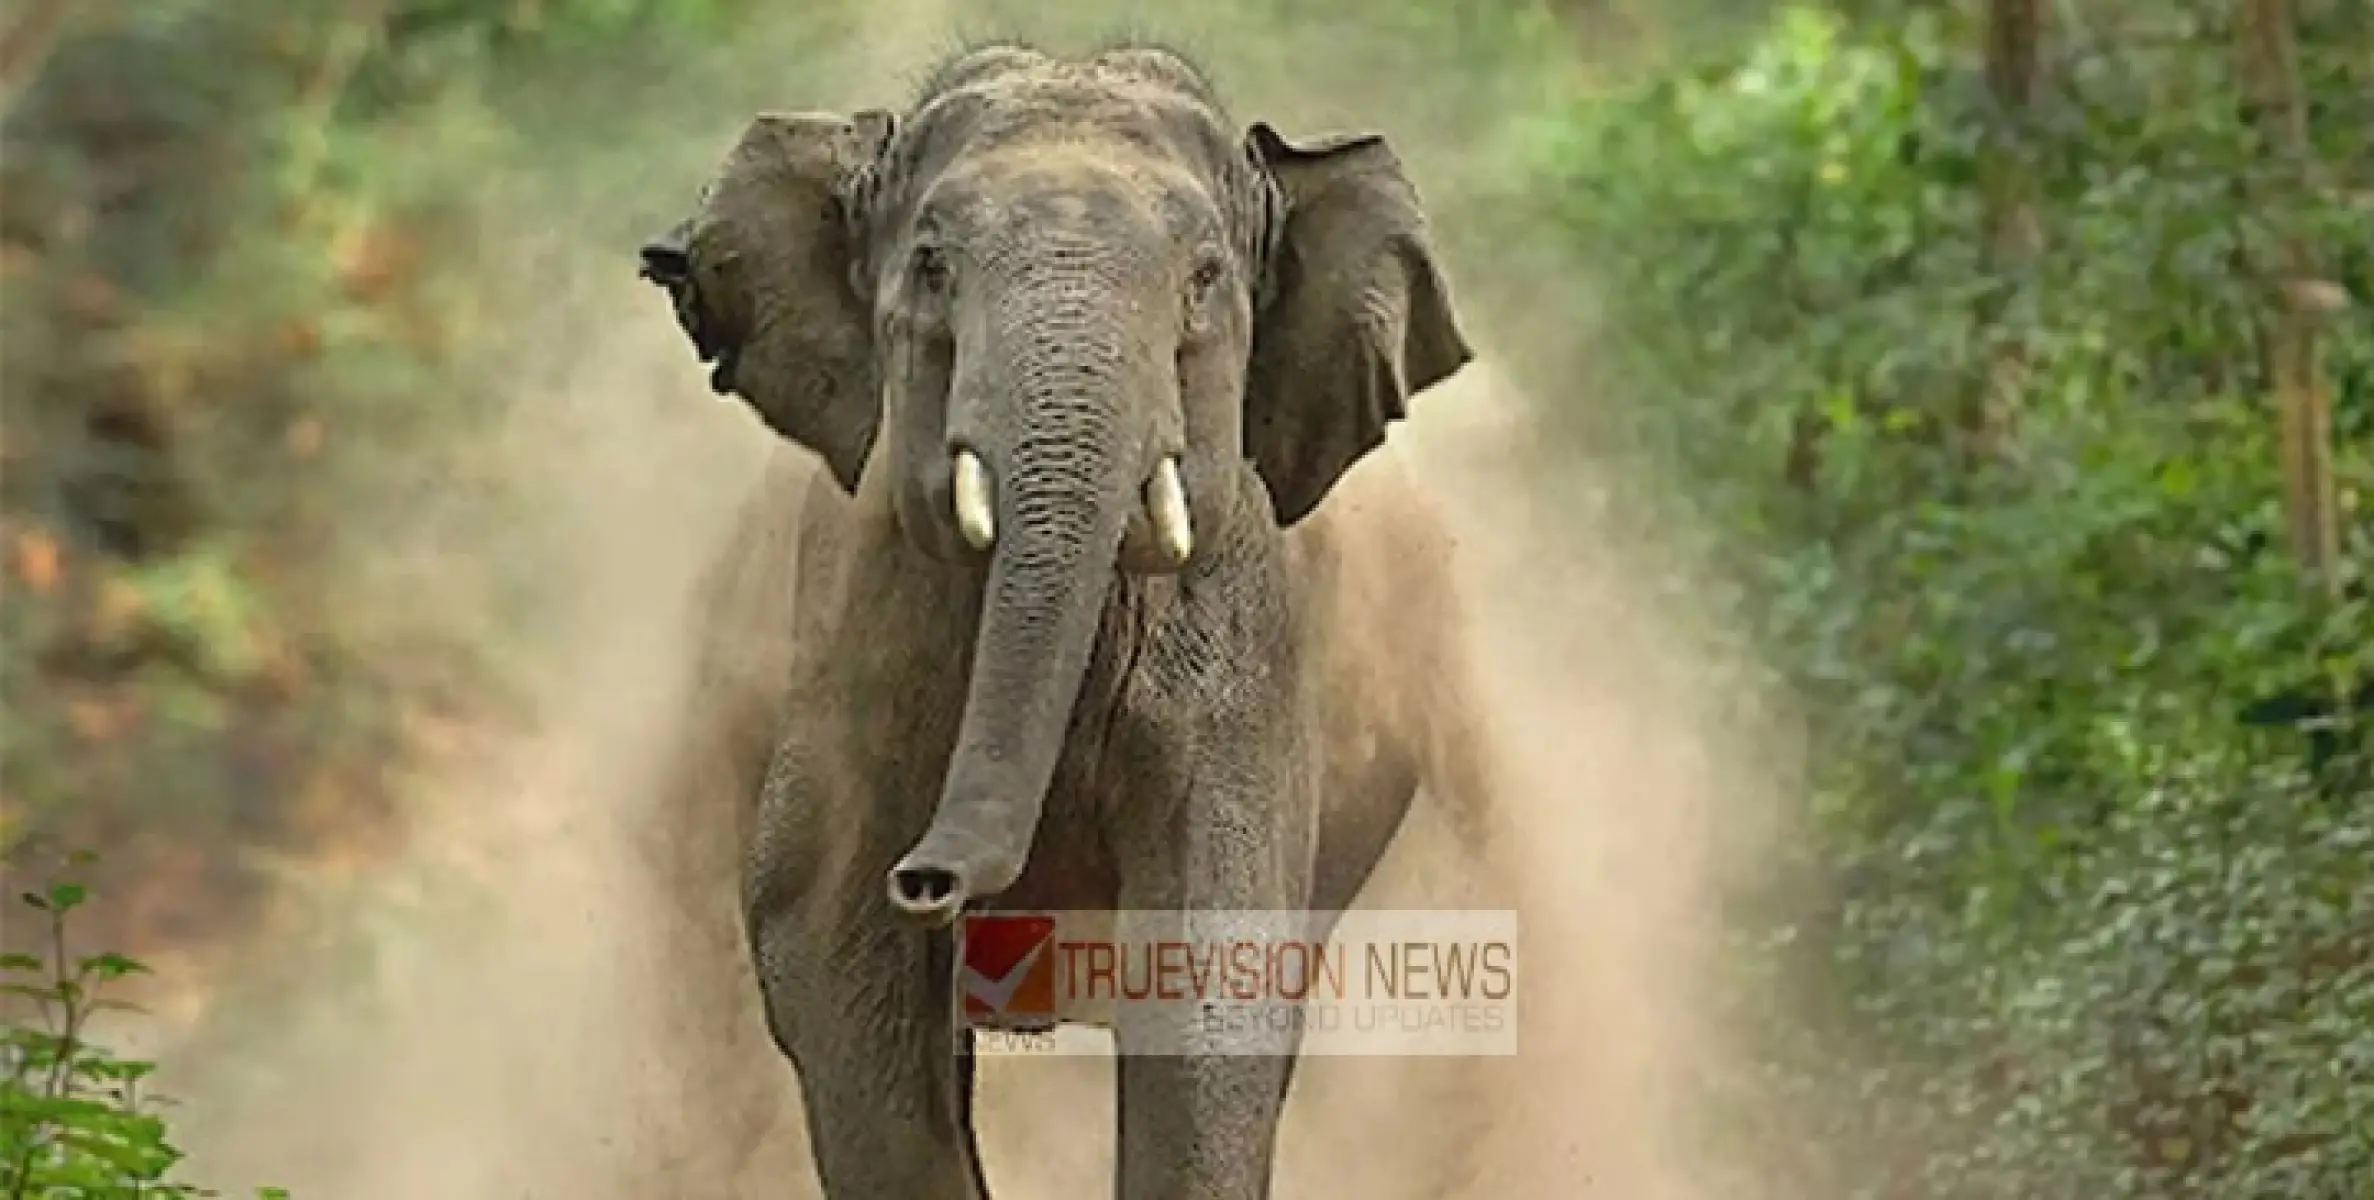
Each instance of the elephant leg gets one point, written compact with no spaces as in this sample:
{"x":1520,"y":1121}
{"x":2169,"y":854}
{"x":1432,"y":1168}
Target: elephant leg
{"x":860,"y":1002}
{"x":1196,"y":1124}
{"x":865,"y":1022}
{"x":1199,"y":1118}
{"x":1200,"y":1127}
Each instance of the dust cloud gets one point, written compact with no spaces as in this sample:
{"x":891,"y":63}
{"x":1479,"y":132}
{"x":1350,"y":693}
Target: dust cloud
{"x":510,"y":1010}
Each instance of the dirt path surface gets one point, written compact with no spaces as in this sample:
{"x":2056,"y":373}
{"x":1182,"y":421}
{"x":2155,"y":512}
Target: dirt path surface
{"x":510,"y":1021}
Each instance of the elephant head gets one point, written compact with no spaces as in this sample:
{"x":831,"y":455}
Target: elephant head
{"x":1048,"y":313}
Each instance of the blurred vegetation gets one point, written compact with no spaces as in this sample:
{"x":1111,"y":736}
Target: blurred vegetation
{"x":246,"y":398}
{"x":2020,"y":359}
{"x":1969,"y":322}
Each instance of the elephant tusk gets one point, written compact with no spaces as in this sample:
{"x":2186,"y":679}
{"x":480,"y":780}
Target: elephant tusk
{"x":1166,"y":507}
{"x":974,"y":518}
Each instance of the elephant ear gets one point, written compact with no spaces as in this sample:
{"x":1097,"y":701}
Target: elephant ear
{"x":1354,"y":318}
{"x":761,"y":279}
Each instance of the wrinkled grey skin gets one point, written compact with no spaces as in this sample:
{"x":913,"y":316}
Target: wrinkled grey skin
{"x":1072,"y":269}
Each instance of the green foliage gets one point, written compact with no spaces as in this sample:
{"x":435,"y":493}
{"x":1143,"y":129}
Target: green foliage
{"x":2107,"y":936}
{"x":77,"y":1121}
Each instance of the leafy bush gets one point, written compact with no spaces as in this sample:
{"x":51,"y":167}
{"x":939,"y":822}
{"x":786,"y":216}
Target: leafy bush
{"x":77,"y":1121}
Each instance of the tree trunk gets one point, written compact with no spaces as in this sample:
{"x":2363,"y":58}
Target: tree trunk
{"x":2268,"y":53}
{"x":2012,"y":235}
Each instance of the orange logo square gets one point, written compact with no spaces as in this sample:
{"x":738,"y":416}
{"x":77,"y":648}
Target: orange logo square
{"x":1007,"y":976}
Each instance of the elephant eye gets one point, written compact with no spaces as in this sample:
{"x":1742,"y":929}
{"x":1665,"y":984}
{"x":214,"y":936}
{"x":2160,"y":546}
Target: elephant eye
{"x":1203,"y":282}
{"x":932,"y":271}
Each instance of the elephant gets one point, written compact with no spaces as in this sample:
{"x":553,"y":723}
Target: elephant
{"x":1089,"y":608}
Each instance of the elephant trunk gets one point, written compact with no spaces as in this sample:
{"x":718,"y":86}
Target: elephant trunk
{"x":1051,"y":503}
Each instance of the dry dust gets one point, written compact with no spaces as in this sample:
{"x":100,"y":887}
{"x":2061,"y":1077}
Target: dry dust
{"x":512,"y":1022}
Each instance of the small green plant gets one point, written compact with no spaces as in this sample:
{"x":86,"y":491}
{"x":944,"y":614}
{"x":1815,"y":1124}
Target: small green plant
{"x":76,"y":1121}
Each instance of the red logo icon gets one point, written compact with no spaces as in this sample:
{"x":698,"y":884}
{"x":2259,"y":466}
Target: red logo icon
{"x":1007,"y":976}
